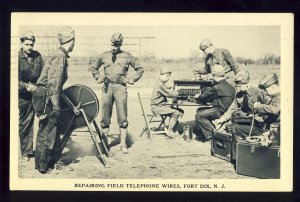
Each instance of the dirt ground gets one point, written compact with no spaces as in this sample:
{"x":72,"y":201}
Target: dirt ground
{"x":159,"y":157}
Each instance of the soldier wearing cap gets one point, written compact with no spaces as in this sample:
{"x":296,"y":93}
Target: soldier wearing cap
{"x":216,"y":56}
{"x":244,"y":101}
{"x":30,"y":67}
{"x":159,"y":97}
{"x":115,"y":64}
{"x":53,"y":77}
{"x":220,"y":96}
{"x":245,"y":98}
{"x":267,"y":111}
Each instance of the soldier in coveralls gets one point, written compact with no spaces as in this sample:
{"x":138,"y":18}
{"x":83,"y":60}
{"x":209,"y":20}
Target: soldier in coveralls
{"x":53,"y":77}
{"x":30,"y":67}
{"x":246,"y":96}
{"x":116,"y":64}
{"x":267,"y":110}
{"x":216,"y":56}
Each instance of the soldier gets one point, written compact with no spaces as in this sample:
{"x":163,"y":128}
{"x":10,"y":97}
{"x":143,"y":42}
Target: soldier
{"x":159,"y":99}
{"x":221,"y":97}
{"x":216,"y":56}
{"x":267,"y":111}
{"x":30,"y":67}
{"x":53,"y":77}
{"x":116,"y":63}
{"x":246,"y":96}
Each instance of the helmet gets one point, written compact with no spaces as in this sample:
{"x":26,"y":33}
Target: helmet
{"x":165,"y":70}
{"x":27,"y":35}
{"x":117,"y":39}
{"x":268,"y":80}
{"x":204,"y":44}
{"x":218,"y":70}
{"x":242,"y":77}
{"x":65,"y":34}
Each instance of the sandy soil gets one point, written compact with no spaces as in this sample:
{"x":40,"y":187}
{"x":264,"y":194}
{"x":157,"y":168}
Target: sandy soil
{"x":158,"y":157}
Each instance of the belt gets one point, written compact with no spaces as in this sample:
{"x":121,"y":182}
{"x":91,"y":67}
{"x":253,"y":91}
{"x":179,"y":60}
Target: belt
{"x":114,"y":82}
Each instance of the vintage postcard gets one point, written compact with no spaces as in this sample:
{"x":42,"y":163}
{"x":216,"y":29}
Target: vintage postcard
{"x":151,"y":102}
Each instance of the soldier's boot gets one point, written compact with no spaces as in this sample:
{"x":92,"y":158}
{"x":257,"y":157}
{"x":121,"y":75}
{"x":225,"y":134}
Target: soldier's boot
{"x":123,"y":135}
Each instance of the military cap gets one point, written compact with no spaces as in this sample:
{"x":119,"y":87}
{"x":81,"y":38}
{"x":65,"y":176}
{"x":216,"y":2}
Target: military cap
{"x":117,"y":39}
{"x":65,"y":34}
{"x":204,"y":44}
{"x":165,"y":70}
{"x":268,"y":80}
{"x":242,"y":77}
{"x":218,"y":70}
{"x":28,"y":35}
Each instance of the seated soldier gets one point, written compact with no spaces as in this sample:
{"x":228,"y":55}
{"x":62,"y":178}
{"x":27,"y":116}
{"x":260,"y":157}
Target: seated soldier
{"x":266,"y":111}
{"x":220,"y":96}
{"x":159,"y":99}
{"x":245,"y":98}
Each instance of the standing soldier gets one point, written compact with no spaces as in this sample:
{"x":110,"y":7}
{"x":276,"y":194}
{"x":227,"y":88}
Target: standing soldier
{"x":30,"y":67}
{"x":115,"y":63}
{"x":216,"y":56}
{"x":53,"y":77}
{"x":267,"y":112}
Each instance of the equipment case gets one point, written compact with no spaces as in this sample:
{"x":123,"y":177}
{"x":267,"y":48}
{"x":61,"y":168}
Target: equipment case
{"x":221,"y":145}
{"x":258,"y":161}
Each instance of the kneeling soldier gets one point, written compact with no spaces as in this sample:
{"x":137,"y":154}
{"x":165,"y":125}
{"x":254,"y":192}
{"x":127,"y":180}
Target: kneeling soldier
{"x":159,"y":99}
{"x":221,"y":97}
{"x":267,"y":111}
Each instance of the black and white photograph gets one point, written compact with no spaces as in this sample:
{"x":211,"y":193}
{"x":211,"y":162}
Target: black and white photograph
{"x":151,"y":102}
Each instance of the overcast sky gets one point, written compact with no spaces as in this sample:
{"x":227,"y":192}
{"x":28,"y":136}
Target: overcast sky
{"x":179,"y":41}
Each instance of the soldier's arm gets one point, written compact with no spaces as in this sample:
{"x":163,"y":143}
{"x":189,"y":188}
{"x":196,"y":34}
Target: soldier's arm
{"x":55,"y":80}
{"x":212,"y":94}
{"x":227,"y":115}
{"x":205,"y":69}
{"x":165,"y":91}
{"x":229,"y":60}
{"x":272,"y":108}
{"x":95,"y":70}
{"x":22,"y":85}
{"x":139,"y":70}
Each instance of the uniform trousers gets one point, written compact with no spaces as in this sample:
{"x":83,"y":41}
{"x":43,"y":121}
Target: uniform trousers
{"x":26,"y":121}
{"x":204,"y":118}
{"x":116,"y":93}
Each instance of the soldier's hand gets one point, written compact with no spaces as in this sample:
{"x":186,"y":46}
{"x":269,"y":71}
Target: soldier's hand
{"x":30,"y":87}
{"x":196,"y":96}
{"x":256,"y":105}
{"x":259,"y":119}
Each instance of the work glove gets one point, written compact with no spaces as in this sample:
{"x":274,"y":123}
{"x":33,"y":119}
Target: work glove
{"x":124,"y":80}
